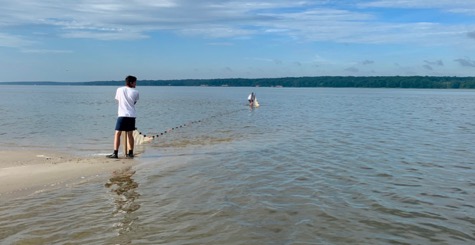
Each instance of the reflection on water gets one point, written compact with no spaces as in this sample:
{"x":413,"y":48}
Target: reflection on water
{"x":124,"y":186}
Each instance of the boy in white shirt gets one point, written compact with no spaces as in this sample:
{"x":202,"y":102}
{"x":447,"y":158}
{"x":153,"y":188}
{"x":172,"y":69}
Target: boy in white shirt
{"x":126,"y":97}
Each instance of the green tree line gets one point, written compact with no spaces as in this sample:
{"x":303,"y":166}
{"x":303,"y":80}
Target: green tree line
{"x":321,"y":81}
{"x":327,"y":81}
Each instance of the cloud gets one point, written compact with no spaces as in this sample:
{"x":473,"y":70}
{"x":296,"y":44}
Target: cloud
{"x":104,"y":35}
{"x":434,"y":63}
{"x":46,"y":51}
{"x":444,"y":5}
{"x":467,"y":62}
{"x":220,"y":44}
{"x":222,"y":23}
{"x":297,"y":20}
{"x":367,"y":62}
{"x":352,"y":69}
{"x":429,"y":65}
{"x":216,"y":31}
{"x":13,"y":41}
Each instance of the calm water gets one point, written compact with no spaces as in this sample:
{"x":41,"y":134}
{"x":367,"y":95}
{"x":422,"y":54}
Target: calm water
{"x":310,"y":166}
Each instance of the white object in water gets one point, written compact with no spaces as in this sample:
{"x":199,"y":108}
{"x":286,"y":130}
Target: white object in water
{"x":255,"y":103}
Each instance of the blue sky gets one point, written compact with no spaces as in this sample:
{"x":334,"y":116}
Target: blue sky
{"x":91,"y":40}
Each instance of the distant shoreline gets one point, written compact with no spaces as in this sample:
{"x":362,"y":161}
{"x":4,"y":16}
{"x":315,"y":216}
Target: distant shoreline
{"x":440,"y":82}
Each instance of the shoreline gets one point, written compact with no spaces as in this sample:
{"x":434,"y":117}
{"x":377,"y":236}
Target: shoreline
{"x":26,"y":172}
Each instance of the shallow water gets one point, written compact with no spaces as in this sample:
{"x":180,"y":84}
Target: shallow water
{"x":310,"y":166}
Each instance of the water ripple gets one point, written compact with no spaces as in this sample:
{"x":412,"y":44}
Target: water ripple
{"x":346,"y":166}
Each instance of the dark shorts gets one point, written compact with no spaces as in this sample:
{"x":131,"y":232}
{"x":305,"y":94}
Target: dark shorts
{"x":125,"y":124}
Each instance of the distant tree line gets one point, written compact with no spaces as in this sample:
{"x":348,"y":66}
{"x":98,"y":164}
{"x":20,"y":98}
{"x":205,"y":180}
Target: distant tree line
{"x":323,"y":81}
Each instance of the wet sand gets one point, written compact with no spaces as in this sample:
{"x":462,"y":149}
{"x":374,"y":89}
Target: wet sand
{"x":25,"y":172}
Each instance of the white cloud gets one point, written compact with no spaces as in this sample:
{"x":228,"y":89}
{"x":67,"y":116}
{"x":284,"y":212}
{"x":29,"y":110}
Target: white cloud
{"x":445,"y":5}
{"x":46,"y":51}
{"x":13,"y":41}
{"x":220,"y":44}
{"x":104,"y":35}
{"x":216,"y":31}
{"x":297,"y":20}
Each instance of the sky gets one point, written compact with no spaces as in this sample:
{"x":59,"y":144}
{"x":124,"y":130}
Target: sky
{"x":103,"y":40}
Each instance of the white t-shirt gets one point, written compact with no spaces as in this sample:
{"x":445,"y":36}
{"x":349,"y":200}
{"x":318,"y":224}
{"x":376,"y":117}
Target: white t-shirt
{"x":127,"y":97}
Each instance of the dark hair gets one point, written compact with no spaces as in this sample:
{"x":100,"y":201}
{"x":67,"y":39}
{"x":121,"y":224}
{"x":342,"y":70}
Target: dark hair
{"x":129,"y":80}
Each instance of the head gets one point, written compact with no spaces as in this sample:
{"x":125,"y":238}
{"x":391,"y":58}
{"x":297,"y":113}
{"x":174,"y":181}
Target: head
{"x":130,"y":81}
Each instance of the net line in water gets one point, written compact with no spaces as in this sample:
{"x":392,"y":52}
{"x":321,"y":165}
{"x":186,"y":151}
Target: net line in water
{"x":140,"y":138}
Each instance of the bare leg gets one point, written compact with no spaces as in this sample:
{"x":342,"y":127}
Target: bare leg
{"x":130,"y":140}
{"x":117,"y":140}
{"x":116,"y":145}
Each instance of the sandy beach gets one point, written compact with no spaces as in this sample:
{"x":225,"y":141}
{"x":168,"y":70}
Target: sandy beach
{"x":26,"y":172}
